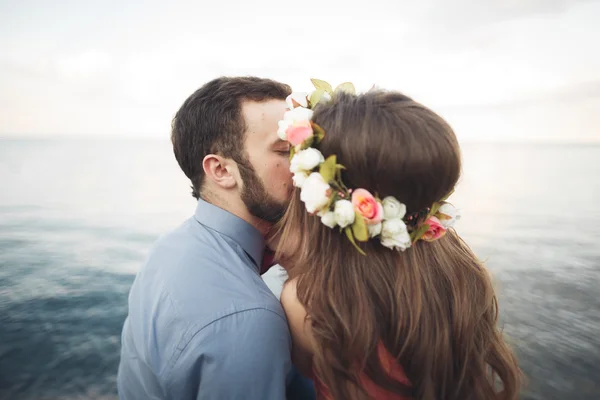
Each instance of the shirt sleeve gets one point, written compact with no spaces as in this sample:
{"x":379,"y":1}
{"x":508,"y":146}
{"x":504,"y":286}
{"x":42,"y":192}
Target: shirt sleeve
{"x":245,"y":355}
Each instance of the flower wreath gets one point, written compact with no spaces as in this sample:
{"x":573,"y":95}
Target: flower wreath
{"x":360,"y":214}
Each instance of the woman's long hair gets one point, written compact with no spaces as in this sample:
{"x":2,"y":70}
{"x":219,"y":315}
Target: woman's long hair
{"x":432,"y":306}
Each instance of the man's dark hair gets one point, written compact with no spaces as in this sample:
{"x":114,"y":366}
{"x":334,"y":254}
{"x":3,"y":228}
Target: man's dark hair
{"x":210,"y":121}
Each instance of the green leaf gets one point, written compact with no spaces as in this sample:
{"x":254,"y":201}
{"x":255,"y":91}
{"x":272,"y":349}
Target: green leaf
{"x":315,"y":97}
{"x":446,"y":196}
{"x":292,"y":152}
{"x":327,"y":169}
{"x":416,"y":235}
{"x":338,"y":172}
{"x":359,"y":228}
{"x":318,"y":132}
{"x":434,"y":208}
{"x":319,"y":84}
{"x":348,"y":231}
{"x":347,"y":87}
{"x":307,"y":143}
{"x":338,"y":176}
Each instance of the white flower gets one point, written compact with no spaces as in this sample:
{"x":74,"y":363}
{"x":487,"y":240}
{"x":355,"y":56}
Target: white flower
{"x":392,"y":208}
{"x":448,"y":215}
{"x":400,"y":241}
{"x":282,"y":127}
{"x":392,"y":227}
{"x":394,"y":234}
{"x":374,"y":230}
{"x":298,"y":114}
{"x":306,"y":160}
{"x":298,"y":97}
{"x":299,"y":178}
{"x":328,"y":219}
{"x":315,"y":192}
{"x":344,"y":213}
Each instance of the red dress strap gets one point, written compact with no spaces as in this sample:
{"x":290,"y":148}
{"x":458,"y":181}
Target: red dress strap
{"x":394,"y":370}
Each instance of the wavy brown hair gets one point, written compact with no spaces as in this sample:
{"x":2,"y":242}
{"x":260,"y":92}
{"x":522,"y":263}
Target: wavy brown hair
{"x":433,"y":306}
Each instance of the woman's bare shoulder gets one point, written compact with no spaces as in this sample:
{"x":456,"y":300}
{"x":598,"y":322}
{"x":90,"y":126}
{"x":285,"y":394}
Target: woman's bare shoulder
{"x":294,"y":310}
{"x":300,"y":327}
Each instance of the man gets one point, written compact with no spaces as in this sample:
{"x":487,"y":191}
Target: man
{"x":202,"y":324}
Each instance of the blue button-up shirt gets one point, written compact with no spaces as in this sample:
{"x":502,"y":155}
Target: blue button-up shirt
{"x":202,"y":324}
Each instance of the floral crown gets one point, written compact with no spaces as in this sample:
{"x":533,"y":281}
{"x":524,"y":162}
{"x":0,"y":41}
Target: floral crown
{"x":360,"y":214}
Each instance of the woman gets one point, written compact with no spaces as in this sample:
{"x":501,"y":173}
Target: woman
{"x":384,"y":300}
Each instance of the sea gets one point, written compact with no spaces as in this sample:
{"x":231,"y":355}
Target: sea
{"x":78,"y":216}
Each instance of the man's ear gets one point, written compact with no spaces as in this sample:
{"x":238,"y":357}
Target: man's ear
{"x":219,"y":170}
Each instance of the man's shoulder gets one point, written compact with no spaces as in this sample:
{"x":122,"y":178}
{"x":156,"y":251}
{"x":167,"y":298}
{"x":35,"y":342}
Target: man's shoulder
{"x":191,"y":246}
{"x":204,"y":275}
{"x":190,"y":236}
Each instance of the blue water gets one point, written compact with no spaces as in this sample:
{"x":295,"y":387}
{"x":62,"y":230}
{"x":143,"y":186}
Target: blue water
{"x":77,"y":218}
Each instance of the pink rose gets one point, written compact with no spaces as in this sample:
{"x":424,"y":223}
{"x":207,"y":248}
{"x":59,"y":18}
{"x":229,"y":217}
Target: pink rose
{"x":436,"y":230}
{"x":365,"y":204}
{"x":298,"y":132}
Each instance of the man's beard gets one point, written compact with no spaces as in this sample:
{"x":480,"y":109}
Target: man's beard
{"x":256,"y":198}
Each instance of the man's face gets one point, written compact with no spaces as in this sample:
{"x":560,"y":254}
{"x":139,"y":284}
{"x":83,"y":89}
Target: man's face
{"x":267,"y":180}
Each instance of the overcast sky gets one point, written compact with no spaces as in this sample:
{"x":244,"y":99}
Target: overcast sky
{"x":495,"y":69}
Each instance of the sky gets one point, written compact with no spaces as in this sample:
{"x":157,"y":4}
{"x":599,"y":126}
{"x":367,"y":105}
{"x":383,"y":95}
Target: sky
{"x":497,"y":70}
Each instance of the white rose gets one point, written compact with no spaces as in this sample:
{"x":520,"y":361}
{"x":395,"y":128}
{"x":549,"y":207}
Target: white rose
{"x":374,"y":230}
{"x":315,"y":192}
{"x":448,"y":215}
{"x":394,"y":234}
{"x":298,"y":114}
{"x":306,"y":160}
{"x":392,"y":208}
{"x":299,"y":178}
{"x":344,"y":213}
{"x":328,"y":219}
{"x":298,"y":97}
{"x":392,"y":227}
{"x":282,"y":127}
{"x":400,"y":241}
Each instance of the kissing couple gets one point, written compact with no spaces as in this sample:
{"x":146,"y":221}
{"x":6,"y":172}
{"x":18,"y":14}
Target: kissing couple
{"x":374,"y":295}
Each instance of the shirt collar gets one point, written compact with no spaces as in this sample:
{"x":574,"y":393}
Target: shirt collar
{"x":224,"y":222}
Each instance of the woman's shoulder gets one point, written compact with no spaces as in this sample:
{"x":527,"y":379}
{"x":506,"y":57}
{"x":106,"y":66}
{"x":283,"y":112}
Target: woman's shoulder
{"x":300,"y":328}
{"x":294,"y":310}
{"x":289,"y":298}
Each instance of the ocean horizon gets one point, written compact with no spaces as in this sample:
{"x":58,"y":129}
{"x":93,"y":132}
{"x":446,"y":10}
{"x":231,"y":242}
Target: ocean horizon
{"x":79,"y":215}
